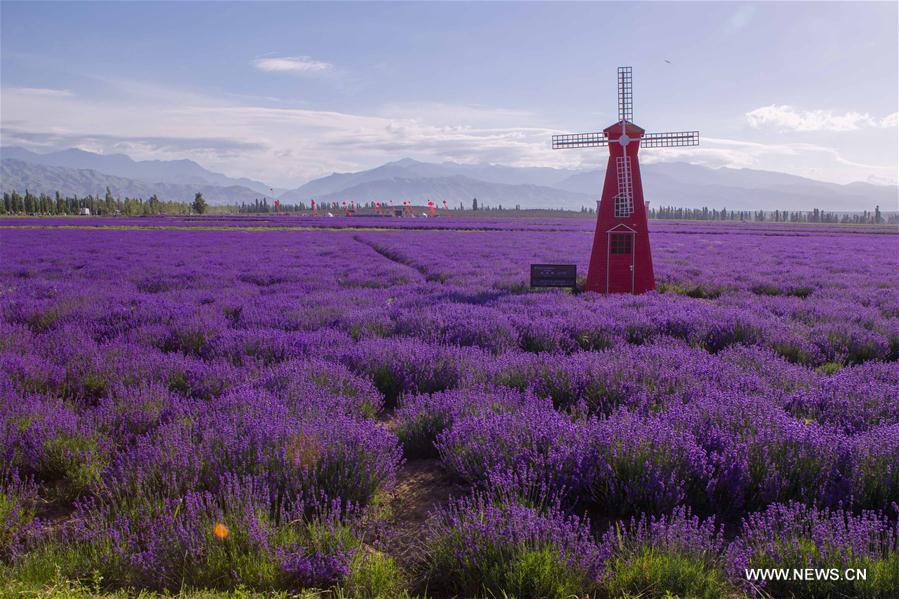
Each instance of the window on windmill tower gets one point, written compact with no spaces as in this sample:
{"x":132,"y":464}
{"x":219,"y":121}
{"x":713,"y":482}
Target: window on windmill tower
{"x":622,"y":243}
{"x":624,"y":206}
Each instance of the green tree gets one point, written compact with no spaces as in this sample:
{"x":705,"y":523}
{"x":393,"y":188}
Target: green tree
{"x":108,"y":202}
{"x":199,"y":205}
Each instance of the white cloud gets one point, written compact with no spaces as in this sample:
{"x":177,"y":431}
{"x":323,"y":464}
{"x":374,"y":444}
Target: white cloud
{"x":42,"y":91}
{"x":285,"y":146}
{"x":288,"y":145}
{"x":296,"y":64}
{"x":785,"y":117}
{"x":788,"y":118}
{"x":890,"y":120}
{"x":804,"y":159}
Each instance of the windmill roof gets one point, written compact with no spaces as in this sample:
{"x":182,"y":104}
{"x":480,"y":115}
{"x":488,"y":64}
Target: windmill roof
{"x":614,"y":131}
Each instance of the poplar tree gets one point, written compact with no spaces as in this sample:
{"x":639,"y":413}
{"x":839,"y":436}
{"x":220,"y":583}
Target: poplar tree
{"x":199,"y":205}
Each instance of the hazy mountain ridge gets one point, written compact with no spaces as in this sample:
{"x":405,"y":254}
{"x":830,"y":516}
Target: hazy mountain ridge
{"x":412,"y":169}
{"x":39,"y":178}
{"x":690,"y":186}
{"x":121,"y":165}
{"x":665,"y":184}
{"x":456,"y":189}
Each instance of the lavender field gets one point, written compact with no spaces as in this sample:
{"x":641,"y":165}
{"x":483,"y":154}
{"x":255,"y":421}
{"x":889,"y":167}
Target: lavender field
{"x":382,"y":408}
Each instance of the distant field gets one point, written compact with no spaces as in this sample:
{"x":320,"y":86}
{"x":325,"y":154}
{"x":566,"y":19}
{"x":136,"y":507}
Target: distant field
{"x":509,"y":221}
{"x":382,"y":406}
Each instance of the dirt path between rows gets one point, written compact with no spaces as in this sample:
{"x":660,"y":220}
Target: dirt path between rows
{"x":422,"y":487}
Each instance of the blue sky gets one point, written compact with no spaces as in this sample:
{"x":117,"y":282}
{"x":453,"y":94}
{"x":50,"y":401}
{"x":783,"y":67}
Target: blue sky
{"x":284,"y":92}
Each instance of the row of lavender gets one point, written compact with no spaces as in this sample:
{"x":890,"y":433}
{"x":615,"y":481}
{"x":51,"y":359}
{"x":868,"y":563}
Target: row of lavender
{"x":445,"y":221}
{"x":167,"y":382}
{"x":318,"y":221}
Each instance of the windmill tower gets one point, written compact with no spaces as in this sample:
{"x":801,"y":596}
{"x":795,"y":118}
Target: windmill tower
{"x":621,"y":260}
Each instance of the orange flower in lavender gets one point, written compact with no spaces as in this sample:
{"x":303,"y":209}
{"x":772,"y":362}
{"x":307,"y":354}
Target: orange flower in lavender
{"x":220,"y":531}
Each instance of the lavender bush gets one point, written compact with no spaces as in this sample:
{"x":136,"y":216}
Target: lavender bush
{"x":676,"y":554}
{"x":535,"y":437}
{"x":217,"y":540}
{"x":18,"y":510}
{"x":421,"y":418}
{"x":481,"y":546}
{"x":796,"y":536}
{"x":645,"y":465}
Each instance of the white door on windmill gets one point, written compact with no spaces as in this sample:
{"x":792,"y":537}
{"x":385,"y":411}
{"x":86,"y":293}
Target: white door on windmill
{"x":624,"y":200}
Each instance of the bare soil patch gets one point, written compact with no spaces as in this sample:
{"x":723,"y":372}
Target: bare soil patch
{"x":423,"y":486}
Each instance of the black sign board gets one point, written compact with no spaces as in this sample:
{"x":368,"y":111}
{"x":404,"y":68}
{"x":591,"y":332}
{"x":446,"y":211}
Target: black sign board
{"x":554,"y":275}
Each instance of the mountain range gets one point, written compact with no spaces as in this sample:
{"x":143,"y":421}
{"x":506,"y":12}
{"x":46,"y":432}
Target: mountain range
{"x":38,"y":178}
{"x":149,"y":171}
{"x":665,"y":184}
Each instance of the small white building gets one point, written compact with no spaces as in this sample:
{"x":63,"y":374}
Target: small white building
{"x":85,"y":212}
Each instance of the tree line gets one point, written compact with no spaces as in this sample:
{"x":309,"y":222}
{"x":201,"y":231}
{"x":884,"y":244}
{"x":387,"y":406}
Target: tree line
{"x":109,"y":205}
{"x":776,"y":216}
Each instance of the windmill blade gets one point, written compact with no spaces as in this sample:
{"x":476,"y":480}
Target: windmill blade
{"x":625,"y":94}
{"x":673,"y":139}
{"x":580,"y":140}
{"x":624,"y":200}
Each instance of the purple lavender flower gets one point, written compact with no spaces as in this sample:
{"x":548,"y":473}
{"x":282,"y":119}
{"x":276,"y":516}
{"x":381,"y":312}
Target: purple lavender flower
{"x":477,"y":544}
{"x":646,"y":465}
{"x":421,"y":418}
{"x":534,"y":437}
{"x":676,"y":554}
{"x":314,"y":570}
{"x":794,"y":535}
{"x":854,"y":399}
{"x":19,"y":526}
{"x":875,"y":468}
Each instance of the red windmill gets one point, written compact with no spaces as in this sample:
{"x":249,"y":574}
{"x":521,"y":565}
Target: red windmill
{"x":431,"y":208}
{"x":621,"y":260}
